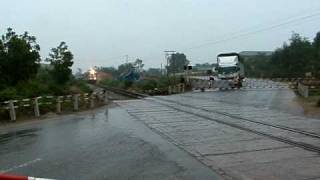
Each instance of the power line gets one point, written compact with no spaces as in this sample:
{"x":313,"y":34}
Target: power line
{"x":247,"y":32}
{"x":255,"y":31}
{"x":252,"y":28}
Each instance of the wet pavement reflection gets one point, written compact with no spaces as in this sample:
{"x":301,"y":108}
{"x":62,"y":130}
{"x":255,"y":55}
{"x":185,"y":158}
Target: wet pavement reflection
{"x":100,"y":144}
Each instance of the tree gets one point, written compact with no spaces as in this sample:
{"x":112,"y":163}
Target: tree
{"x":111,"y":70}
{"x":153,"y":72}
{"x":293,"y":59}
{"x":60,"y":59}
{"x":125,"y":68}
{"x":19,"y":57}
{"x":316,"y":41}
{"x":316,"y":61}
{"x":176,"y":63}
{"x":257,"y":66}
{"x":138,"y":65}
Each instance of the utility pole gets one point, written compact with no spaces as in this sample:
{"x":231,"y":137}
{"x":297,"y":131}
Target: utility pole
{"x":167,"y":55}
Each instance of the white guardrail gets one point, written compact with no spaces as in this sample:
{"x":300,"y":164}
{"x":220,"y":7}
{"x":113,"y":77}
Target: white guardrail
{"x":35,"y":103}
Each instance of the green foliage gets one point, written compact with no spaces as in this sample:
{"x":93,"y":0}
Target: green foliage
{"x":153,"y":72}
{"x":295,"y":59}
{"x":19,"y":57}
{"x":147,"y":85}
{"x":7,"y":94}
{"x":113,"y":71}
{"x":113,"y":83}
{"x":22,"y":76}
{"x":81,"y":85}
{"x":44,"y":75}
{"x":127,"y":84}
{"x":291,"y":60}
{"x":32,"y":88}
{"x":138,"y":65}
{"x":124,"y":68}
{"x":257,"y":66}
{"x":177,"y":62}
{"x":61,"y":60}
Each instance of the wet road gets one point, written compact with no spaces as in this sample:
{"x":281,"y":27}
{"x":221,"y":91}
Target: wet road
{"x":194,"y":135}
{"x":104,"y":144}
{"x":240,"y":134}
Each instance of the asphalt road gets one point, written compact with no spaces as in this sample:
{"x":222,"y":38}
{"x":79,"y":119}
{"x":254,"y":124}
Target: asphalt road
{"x":103,"y":144}
{"x":240,"y":134}
{"x":143,"y":139}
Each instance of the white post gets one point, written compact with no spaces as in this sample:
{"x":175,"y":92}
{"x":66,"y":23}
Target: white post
{"x":182,"y":88}
{"x":12,"y":111}
{"x":36,"y":107}
{"x":76,"y":102}
{"x":59,"y":104}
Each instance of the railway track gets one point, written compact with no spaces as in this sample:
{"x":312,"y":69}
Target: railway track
{"x":123,"y":92}
{"x":311,"y":134}
{"x":193,"y":110}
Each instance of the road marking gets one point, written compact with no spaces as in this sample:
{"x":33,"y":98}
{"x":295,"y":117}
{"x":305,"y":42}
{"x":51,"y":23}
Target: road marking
{"x":21,"y":165}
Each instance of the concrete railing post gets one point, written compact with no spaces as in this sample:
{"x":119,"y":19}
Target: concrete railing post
{"x":182,"y":88}
{"x":36,"y":106}
{"x":303,"y":90}
{"x":92,"y":100}
{"x":76,"y":102}
{"x":12,"y":111}
{"x":59,"y":101}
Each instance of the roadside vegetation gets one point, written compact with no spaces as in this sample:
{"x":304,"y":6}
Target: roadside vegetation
{"x":23,"y":74}
{"x":153,"y":81}
{"x":292,"y":60}
{"x":296,"y":59}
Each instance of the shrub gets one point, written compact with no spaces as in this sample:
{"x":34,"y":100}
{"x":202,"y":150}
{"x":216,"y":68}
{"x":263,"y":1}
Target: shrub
{"x":127,"y":84}
{"x":7,"y":94}
{"x":112,"y":83}
{"x":57,"y":90}
{"x":32,"y":88}
{"x":146,"y":85}
{"x":81,"y":86}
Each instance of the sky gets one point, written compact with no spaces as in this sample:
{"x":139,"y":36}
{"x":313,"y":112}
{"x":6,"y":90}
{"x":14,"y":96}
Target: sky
{"x":103,"y":32}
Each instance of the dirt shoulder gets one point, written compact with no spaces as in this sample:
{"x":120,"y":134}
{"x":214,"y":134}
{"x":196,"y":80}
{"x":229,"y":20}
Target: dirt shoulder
{"x":309,"y":105}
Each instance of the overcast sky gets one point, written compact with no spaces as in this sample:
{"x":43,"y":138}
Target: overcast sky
{"x":102,"y":32}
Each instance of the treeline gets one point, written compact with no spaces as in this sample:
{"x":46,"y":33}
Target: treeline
{"x":132,"y":76}
{"x":22,"y":74}
{"x":292,"y":60}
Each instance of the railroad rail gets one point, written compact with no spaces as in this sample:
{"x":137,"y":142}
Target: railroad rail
{"x":175,"y":105}
{"x":123,"y":92}
{"x":311,"y":134}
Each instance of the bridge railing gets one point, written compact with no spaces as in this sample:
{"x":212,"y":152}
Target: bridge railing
{"x":58,"y":104}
